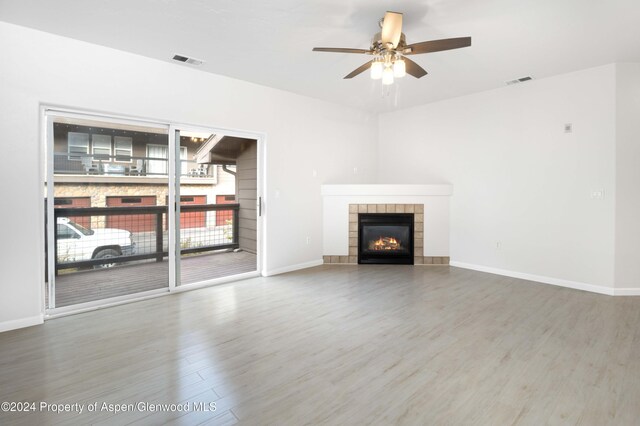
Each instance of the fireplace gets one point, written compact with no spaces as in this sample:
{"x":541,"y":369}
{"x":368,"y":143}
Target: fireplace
{"x":385,"y":238}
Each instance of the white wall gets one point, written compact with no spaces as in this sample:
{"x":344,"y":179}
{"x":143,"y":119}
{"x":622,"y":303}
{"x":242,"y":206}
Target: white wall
{"x":627,"y":246}
{"x":303,"y":135}
{"x":519,"y":179}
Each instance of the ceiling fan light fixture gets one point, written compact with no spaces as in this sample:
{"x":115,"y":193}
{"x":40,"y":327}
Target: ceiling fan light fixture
{"x":399,"y":68}
{"x":387,"y":76}
{"x":389,"y":48}
{"x":376,"y":70}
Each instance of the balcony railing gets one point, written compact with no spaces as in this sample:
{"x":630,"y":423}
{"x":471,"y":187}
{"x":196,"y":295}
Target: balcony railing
{"x":108,"y":236}
{"x":65,"y":163}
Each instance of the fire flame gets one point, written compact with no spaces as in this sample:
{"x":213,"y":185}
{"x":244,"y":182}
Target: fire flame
{"x":385,"y":243}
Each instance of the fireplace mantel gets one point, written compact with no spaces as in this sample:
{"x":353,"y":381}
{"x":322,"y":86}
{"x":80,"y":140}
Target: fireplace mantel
{"x":384,"y":189}
{"x":432,"y":199}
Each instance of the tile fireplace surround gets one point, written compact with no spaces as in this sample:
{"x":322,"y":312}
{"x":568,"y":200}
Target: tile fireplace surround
{"x":428,"y":203}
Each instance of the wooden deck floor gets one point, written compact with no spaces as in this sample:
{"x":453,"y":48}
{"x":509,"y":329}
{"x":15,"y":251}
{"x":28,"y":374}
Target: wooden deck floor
{"x":87,"y":286}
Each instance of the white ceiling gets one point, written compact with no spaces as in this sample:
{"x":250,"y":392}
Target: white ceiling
{"x":269,"y":41}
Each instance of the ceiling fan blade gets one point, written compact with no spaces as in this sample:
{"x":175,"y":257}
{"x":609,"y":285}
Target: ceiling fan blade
{"x":414,"y":69}
{"x":391,"y":28}
{"x":340,"y":50}
{"x":359,"y":70}
{"x":436,"y":45}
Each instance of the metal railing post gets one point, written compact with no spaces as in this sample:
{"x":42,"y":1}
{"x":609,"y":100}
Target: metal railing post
{"x":159,"y":237}
{"x":236,"y":226}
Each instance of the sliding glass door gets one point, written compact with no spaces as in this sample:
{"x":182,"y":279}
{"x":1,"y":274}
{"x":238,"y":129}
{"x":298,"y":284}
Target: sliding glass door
{"x":139,"y":208}
{"x":212,"y":240}
{"x":106,"y":210}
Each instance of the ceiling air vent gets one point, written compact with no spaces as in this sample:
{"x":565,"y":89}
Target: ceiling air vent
{"x":187,"y":60}
{"x":519,"y":80}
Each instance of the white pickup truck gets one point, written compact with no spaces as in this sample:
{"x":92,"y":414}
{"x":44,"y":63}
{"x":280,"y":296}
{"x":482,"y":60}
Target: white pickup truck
{"x":75,"y":242}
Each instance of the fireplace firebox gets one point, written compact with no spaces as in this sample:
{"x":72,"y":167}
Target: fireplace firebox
{"x":385,"y":238}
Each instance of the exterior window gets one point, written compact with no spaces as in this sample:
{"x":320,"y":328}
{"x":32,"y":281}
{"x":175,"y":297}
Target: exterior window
{"x":123,"y":148}
{"x":101,"y":146}
{"x":78,"y":144}
{"x":159,"y":167}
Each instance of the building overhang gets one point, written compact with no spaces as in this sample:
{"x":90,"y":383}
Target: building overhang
{"x":222,"y":150}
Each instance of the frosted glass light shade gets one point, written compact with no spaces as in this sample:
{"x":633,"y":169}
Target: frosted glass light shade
{"x":387,"y":76}
{"x":399,"y":68}
{"x":376,"y":70}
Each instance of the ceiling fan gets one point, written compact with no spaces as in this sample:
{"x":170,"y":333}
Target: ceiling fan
{"x":390,"y":49}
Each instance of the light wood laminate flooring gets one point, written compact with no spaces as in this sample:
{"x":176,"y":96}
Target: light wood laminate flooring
{"x":341,"y":345}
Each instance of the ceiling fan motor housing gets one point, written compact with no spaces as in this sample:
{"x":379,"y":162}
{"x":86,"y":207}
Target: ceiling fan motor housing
{"x":378,"y":46}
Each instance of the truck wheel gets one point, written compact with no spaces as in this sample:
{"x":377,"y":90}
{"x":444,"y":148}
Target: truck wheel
{"x":105,"y":254}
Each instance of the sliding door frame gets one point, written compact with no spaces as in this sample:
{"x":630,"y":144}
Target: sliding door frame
{"x":174,"y":131}
{"x":49,"y":112}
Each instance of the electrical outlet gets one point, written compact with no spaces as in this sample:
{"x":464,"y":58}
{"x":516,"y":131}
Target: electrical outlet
{"x":308,"y":240}
{"x":498,"y":245}
{"x":597,"y":194}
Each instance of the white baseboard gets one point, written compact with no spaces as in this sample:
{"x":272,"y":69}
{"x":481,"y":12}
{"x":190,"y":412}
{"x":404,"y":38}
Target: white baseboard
{"x":542,"y":279}
{"x":628,"y":291}
{"x":21,"y":323}
{"x":292,"y":268}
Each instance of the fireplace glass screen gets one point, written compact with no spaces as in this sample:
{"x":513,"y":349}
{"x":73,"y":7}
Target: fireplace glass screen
{"x":388,"y":238}
{"x":385,"y":238}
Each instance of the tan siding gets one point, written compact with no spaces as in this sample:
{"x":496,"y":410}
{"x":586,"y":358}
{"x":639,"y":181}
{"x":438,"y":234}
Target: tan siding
{"x":247,"y":204}
{"x":249,"y":194}
{"x":249,"y":184}
{"x":247,"y":174}
{"x":250,"y":225}
{"x":248,"y":214}
{"x":246,"y":194}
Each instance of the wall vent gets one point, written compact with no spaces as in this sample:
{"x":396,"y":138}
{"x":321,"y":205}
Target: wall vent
{"x":519,"y":80}
{"x":187,"y":60}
